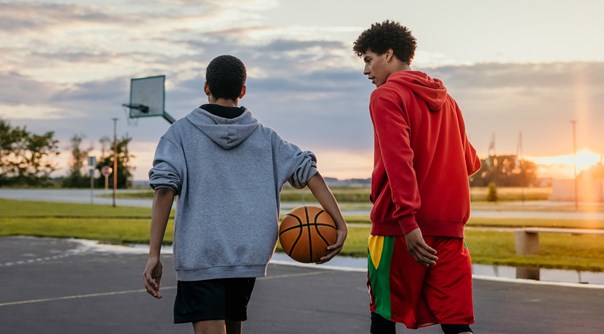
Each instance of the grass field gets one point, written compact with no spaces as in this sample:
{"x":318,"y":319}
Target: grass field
{"x":127,"y":225}
{"x":361,"y":194}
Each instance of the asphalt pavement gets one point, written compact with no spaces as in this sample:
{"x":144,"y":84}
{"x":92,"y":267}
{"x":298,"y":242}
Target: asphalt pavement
{"x":68,"y":286}
{"x":71,"y":286}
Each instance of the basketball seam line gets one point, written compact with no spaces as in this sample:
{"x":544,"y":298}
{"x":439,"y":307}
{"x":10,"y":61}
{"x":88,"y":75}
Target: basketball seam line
{"x":309,"y":235}
{"x":304,"y":225}
{"x":291,"y":250}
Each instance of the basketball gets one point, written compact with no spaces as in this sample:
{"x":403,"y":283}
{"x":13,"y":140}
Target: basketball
{"x":305,"y":233}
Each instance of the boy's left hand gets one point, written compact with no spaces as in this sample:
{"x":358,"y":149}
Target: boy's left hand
{"x":152,"y":276}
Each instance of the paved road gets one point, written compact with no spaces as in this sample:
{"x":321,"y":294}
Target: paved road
{"x":83,"y":196}
{"x":72,"y":196}
{"x":60,"y":286}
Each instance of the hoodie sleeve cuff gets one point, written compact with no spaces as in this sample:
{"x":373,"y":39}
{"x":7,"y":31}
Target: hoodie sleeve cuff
{"x":306,"y":170}
{"x":408,"y":224}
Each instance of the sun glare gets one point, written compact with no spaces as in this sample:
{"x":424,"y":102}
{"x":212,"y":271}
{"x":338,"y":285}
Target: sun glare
{"x":562,"y":166}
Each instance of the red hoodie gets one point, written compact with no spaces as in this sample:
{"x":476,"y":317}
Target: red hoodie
{"x":422,"y":158}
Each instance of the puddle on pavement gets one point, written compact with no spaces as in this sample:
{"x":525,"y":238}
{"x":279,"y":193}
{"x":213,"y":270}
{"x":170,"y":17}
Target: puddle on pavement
{"x":540,"y":274}
{"x":533,"y":273}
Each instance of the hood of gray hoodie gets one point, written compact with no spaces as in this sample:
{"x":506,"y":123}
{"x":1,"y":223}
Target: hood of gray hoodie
{"x":225,"y":132}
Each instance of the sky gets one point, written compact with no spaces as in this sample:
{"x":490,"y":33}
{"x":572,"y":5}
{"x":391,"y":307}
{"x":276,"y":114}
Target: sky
{"x":514,"y":67}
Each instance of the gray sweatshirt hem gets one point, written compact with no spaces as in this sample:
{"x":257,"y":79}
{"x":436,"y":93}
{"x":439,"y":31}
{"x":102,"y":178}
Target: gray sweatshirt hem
{"x":221,"y":272}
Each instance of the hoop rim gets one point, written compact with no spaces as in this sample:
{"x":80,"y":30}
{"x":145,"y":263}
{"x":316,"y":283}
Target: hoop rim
{"x":143,"y":108}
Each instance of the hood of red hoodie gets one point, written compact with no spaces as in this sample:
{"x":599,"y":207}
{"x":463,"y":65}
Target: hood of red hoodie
{"x":431,"y":90}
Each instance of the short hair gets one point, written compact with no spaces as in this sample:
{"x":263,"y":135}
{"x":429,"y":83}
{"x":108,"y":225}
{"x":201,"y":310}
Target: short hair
{"x":387,"y":35}
{"x":225,"y":76}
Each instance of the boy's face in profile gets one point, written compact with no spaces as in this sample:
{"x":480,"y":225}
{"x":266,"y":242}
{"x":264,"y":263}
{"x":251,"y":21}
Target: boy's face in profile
{"x":376,"y":68}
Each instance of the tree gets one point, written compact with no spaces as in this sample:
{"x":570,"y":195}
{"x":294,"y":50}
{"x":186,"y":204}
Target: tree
{"x":75,"y":178}
{"x":105,"y":142}
{"x":124,"y":167}
{"x":9,"y":139}
{"x":505,"y":171}
{"x":26,"y":158}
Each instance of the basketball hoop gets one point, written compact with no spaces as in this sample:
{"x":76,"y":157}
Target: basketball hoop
{"x":147,"y":98}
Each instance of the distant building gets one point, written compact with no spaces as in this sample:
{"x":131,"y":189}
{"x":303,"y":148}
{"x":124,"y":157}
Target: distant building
{"x":545,"y":182}
{"x":590,"y":186}
{"x":334,"y":182}
{"x":589,"y":190}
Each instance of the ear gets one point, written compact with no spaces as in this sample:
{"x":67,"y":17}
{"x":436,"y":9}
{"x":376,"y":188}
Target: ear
{"x":389,"y":54}
{"x":243,"y":90}
{"x":206,"y":89}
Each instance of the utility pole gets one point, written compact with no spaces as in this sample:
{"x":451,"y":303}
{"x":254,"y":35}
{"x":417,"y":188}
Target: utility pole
{"x":519,"y":156}
{"x":114,"y":161}
{"x":574,"y":123}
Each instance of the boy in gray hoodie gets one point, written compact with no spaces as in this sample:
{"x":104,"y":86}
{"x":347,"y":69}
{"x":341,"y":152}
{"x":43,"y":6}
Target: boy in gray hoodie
{"x":228,"y":171}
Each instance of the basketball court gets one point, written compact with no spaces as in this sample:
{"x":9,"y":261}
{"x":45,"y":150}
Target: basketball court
{"x":63,"y":286}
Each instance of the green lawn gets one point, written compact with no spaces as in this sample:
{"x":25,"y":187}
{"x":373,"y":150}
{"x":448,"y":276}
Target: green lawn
{"x":580,"y":252}
{"x":127,"y":225}
{"x":361,"y":194}
{"x":14,"y":208}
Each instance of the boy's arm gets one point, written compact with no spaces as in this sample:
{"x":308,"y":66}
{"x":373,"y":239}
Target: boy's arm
{"x":321,"y":191}
{"x":162,"y":204}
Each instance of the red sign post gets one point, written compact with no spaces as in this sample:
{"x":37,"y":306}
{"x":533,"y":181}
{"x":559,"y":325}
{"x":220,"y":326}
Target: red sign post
{"x":106,"y":171}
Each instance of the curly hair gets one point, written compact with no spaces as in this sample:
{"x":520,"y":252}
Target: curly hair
{"x":387,"y":35}
{"x":226,"y":76}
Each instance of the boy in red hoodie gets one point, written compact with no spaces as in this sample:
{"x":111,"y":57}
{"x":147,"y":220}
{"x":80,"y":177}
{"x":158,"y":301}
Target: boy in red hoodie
{"x":419,"y":270}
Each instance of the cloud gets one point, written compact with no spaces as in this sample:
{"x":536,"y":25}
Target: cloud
{"x":32,"y":112}
{"x":537,"y":99}
{"x":283,"y":45}
{"x":18,"y":17}
{"x":534,"y":75}
{"x":332,"y":103}
{"x":71,"y":57}
{"x":22,"y":89}
{"x":71,"y":65}
{"x":95,"y":92}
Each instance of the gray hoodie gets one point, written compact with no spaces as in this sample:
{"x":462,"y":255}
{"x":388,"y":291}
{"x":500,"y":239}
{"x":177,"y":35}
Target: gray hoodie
{"x":228,"y":174}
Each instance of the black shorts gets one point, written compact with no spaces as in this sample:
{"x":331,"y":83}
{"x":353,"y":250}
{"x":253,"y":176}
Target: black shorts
{"x":218,"y":299}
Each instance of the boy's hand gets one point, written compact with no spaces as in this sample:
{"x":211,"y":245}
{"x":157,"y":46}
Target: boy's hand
{"x":152,"y":276}
{"x":420,"y":251}
{"x":334,"y":249}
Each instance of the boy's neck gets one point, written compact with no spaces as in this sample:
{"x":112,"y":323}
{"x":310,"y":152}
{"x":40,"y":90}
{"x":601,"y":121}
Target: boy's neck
{"x":224,"y":102}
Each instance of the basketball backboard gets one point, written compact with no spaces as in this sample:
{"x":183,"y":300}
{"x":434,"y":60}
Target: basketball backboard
{"x":147,"y":96}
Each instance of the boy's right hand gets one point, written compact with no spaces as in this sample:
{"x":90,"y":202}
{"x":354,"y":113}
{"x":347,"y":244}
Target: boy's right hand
{"x":152,"y":276}
{"x":333,"y":250}
{"x":420,"y":251}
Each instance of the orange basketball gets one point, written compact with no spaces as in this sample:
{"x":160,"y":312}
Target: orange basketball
{"x":305,"y":233}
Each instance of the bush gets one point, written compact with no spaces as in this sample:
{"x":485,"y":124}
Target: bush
{"x":492,"y":192}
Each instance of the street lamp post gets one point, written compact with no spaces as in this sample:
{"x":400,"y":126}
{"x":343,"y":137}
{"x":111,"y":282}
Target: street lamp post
{"x":574,"y":123}
{"x":114,"y":161}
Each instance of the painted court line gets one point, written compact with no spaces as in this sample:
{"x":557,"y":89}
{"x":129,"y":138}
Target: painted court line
{"x":90,"y":295}
{"x":125,"y":292}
